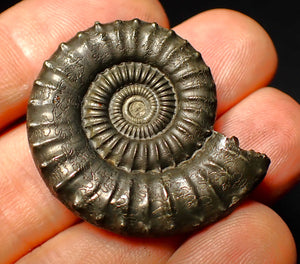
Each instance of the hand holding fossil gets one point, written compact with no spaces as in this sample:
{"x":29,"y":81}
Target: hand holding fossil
{"x":242,"y":60}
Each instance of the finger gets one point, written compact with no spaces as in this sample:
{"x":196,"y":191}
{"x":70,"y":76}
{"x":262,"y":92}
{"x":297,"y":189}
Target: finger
{"x":31,"y":31}
{"x":253,"y":233}
{"x":29,"y":214}
{"x":268,"y":121}
{"x":84,"y":243}
{"x":239,"y":52}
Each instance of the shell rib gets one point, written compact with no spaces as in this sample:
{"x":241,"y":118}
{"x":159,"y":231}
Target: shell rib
{"x":120,"y":124}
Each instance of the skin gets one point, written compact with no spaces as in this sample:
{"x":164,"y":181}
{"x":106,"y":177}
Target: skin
{"x":36,"y":228}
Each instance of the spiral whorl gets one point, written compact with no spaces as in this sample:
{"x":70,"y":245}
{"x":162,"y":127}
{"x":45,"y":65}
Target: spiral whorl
{"x":120,"y":125}
{"x":130,"y":110}
{"x":124,"y":111}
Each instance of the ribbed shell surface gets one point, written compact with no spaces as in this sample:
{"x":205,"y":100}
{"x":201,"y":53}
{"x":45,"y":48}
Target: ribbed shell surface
{"x":120,"y":123}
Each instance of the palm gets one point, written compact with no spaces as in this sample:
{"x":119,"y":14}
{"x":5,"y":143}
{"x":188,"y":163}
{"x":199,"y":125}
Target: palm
{"x":36,"y":228}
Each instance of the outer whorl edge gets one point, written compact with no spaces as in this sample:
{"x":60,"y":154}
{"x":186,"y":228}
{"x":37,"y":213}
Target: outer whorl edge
{"x":120,"y":125}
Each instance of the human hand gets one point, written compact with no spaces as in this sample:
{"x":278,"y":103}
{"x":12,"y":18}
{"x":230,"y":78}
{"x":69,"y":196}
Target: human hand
{"x":36,"y":228}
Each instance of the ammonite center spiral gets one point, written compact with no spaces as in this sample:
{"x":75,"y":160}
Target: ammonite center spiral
{"x":120,"y":124}
{"x":135,"y":109}
{"x":124,"y":109}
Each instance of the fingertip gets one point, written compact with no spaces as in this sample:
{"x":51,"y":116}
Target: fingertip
{"x":253,"y":233}
{"x":240,"y":53}
{"x":268,"y":121}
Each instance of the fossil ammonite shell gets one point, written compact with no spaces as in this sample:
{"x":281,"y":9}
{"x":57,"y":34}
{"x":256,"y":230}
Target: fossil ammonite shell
{"x":120,"y":124}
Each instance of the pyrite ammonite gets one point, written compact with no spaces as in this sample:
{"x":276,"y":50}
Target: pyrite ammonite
{"x":120,"y":124}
